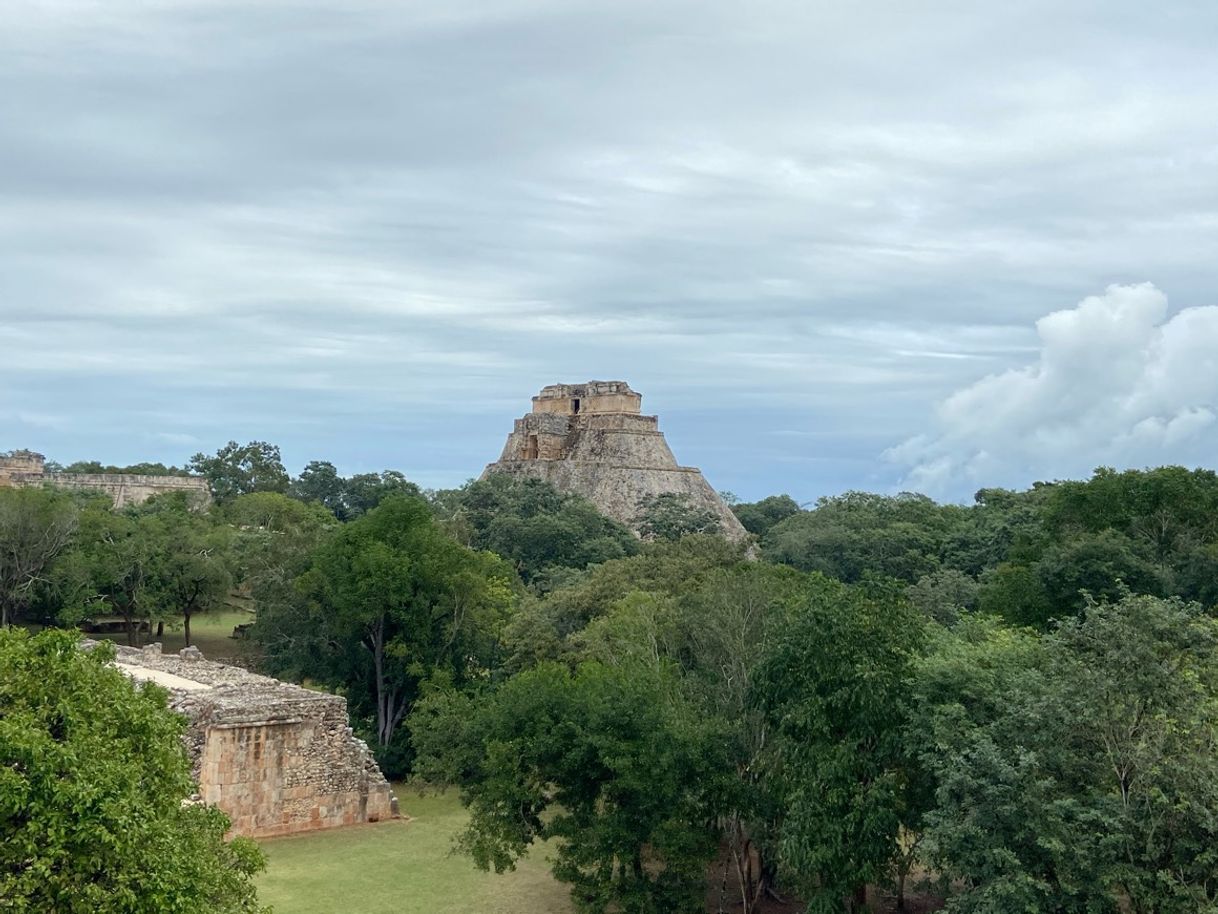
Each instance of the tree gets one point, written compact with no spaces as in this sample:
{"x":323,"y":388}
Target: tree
{"x":239,"y":469}
{"x":365,"y":491}
{"x":670,"y":516}
{"x":189,"y":569}
{"x":319,"y":481}
{"x":94,"y":775}
{"x":349,"y":498}
{"x":388,"y":603}
{"x":533,"y":525}
{"x":1079,"y":768}
{"x":832,"y":688}
{"x":106,"y":572}
{"x":944,"y":595}
{"x":36,"y":525}
{"x":852,"y":535}
{"x":609,"y":760}
{"x":759,"y":516}
{"x":96,"y":467}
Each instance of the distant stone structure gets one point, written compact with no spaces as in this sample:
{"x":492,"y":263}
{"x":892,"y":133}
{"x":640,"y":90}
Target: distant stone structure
{"x":591,"y":440}
{"x":26,"y":468}
{"x":276,"y":758}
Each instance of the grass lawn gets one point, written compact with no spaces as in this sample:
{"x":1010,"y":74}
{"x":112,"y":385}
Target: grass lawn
{"x":211,"y":632}
{"x":401,"y":867}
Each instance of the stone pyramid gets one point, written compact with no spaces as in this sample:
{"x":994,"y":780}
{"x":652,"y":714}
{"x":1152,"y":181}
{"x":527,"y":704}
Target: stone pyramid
{"x":591,"y":440}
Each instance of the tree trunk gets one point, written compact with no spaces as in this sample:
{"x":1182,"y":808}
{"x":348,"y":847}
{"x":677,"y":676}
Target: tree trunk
{"x":186,"y":626}
{"x":859,"y":901}
{"x":160,"y":628}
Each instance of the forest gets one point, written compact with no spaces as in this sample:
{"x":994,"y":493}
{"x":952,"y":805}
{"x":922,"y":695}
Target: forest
{"x":1009,"y":705}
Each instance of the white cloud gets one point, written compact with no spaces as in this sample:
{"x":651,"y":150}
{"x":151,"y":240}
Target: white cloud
{"x":1117,"y":382}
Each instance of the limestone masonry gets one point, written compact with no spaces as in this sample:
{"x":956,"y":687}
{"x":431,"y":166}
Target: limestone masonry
{"x":590,"y":439}
{"x":26,"y":468}
{"x":276,"y":758}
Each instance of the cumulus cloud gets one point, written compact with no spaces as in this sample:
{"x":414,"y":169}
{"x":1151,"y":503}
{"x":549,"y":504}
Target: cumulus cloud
{"x":1118,"y":382}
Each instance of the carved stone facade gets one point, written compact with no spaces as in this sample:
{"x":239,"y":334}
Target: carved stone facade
{"x":26,"y":468}
{"x":591,"y":439}
{"x":278,"y":759}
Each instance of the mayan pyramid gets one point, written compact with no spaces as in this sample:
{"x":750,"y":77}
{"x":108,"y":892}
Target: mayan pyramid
{"x":590,"y":440}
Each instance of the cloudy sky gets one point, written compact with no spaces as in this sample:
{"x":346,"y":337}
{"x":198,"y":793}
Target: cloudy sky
{"x":835,"y":245}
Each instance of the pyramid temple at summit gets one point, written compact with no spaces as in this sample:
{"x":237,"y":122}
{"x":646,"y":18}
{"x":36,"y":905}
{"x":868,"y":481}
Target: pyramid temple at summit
{"x":591,"y":440}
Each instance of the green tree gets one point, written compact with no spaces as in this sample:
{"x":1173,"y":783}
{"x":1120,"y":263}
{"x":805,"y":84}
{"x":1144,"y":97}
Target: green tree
{"x":36,"y":525}
{"x":670,"y":516}
{"x":365,"y":491}
{"x":389,"y":603}
{"x":856,"y":534}
{"x":319,"y":481}
{"x":609,"y":761}
{"x":92,"y":782}
{"x":759,"y":516}
{"x":832,"y":688}
{"x":106,"y":573}
{"x":190,"y":564}
{"x":944,"y":595}
{"x":1080,"y":770}
{"x":238,"y":469}
{"x":533,"y":525}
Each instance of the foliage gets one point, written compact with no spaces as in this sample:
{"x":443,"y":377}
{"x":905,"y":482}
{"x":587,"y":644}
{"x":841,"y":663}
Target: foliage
{"x":348,"y":498}
{"x":670,"y":516}
{"x":1079,"y":768}
{"x":759,"y":516}
{"x":238,"y":469}
{"x":138,"y":469}
{"x":91,"y":791}
{"x":832,"y":688}
{"x":533,"y":525}
{"x":36,"y":525}
{"x":106,"y":572}
{"x":190,"y":569}
{"x":388,"y":603}
{"x":610,"y":761}
{"x":944,"y":595}
{"x":851,"y":535}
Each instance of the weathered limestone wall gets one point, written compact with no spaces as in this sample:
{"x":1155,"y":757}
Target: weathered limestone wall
{"x":609,"y":454}
{"x":128,"y":488}
{"x":26,"y":468}
{"x":276,"y":758}
{"x":591,"y":398}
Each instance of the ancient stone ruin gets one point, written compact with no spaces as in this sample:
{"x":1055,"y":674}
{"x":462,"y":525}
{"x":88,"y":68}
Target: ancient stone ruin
{"x":26,"y":468}
{"x":591,"y":440}
{"x":276,"y":758}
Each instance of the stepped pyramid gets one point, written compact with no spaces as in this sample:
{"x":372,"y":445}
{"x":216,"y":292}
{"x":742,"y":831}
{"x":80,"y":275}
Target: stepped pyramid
{"x":590,"y":440}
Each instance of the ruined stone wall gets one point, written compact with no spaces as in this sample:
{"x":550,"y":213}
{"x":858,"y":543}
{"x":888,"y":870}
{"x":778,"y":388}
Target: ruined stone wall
{"x":276,"y":758}
{"x":129,"y":488}
{"x":26,"y":468}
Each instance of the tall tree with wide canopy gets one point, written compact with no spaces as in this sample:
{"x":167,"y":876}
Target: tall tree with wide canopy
{"x":832,"y":687}
{"x":238,"y":469}
{"x":609,"y":760}
{"x":394,"y":601}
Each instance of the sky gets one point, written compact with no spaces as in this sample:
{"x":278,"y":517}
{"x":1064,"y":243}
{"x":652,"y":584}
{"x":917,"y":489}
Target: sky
{"x":870,"y":245}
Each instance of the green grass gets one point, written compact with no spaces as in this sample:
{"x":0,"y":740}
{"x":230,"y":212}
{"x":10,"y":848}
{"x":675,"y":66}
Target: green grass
{"x":401,"y":867}
{"x":210,"y":632}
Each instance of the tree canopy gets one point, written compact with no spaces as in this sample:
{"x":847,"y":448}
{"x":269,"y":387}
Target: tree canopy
{"x":92,"y":818}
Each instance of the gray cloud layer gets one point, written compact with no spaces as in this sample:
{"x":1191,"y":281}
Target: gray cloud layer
{"x":371,"y":231}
